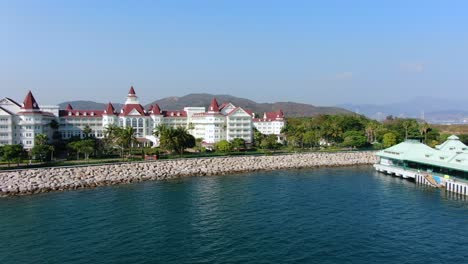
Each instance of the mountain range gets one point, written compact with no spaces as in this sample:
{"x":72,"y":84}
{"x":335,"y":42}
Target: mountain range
{"x":290,"y":109}
{"x":436,"y":110}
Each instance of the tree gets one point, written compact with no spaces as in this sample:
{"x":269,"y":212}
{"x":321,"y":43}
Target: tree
{"x":174,"y":140}
{"x":331,"y":129}
{"x":238,"y":144}
{"x":258,"y":136}
{"x":269,"y":142}
{"x":371,"y":130}
{"x":41,"y":139}
{"x":463,"y":138}
{"x":12,"y":153}
{"x":423,"y":129}
{"x":87,"y":131}
{"x":184,"y":140}
{"x":389,"y":139}
{"x":223,"y":146}
{"x":406,"y":125}
{"x":85,"y":146}
{"x":121,"y":138}
{"x":354,"y":139}
{"x":56,"y":136}
{"x":199,"y":145}
{"x":41,"y":149}
{"x":310,"y":139}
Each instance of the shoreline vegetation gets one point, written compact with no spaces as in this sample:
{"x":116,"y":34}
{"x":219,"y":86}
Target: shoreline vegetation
{"x":40,"y":180}
{"x":301,"y":134}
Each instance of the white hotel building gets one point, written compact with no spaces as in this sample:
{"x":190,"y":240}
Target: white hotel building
{"x":20,"y":123}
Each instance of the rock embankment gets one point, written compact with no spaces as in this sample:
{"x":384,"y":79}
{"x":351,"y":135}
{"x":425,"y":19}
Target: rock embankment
{"x":70,"y":178}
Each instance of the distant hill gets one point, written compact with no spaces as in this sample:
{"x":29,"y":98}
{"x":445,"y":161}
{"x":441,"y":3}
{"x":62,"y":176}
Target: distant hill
{"x":290,"y":109}
{"x":88,"y":105}
{"x":433,"y":109}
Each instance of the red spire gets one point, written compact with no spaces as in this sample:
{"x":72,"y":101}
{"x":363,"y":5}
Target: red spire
{"x":155,"y":109}
{"x":69,"y":108}
{"x":30,"y":102}
{"x":131,"y":92}
{"x":214,"y":107}
{"x":110,"y":110}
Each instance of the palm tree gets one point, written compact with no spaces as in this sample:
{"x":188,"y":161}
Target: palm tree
{"x":372,"y":129}
{"x":406,"y":125}
{"x":174,"y":139}
{"x":423,"y":129}
{"x":111,"y":131}
{"x":126,"y":138}
{"x":87,"y":131}
{"x":122,"y":138}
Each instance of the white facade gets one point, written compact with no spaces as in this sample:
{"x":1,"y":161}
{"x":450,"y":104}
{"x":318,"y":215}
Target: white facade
{"x":271,"y":124}
{"x":19,"y":124}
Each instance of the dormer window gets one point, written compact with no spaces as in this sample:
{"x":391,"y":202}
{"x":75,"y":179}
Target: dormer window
{"x":172,"y":114}
{"x":92,"y":113}
{"x":77,"y":113}
{"x":84,"y":114}
{"x":69,"y":113}
{"x":178,"y":114}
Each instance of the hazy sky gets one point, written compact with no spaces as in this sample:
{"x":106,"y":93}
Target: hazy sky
{"x":320,"y":52}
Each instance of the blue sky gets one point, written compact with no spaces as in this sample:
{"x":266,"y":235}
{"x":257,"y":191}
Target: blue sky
{"x":318,"y":52}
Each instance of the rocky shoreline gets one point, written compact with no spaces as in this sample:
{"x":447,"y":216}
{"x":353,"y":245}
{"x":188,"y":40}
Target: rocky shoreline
{"x":23,"y":182}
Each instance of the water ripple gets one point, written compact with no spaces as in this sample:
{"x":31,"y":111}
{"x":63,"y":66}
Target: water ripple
{"x":337,"y":215}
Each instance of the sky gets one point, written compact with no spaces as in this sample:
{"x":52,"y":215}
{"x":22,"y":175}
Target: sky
{"x":319,"y":52}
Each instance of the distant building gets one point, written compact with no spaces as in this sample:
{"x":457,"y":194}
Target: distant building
{"x":271,"y":124}
{"x":445,"y":166}
{"x":20,"y":123}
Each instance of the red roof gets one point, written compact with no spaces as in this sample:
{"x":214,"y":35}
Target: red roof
{"x":214,"y":107}
{"x":273,"y":115}
{"x":155,"y":110}
{"x":131,"y":92}
{"x":109,"y":109}
{"x":30,"y":102}
{"x":69,"y":107}
{"x":130,"y":107}
{"x":81,"y":113}
{"x":174,"y":113}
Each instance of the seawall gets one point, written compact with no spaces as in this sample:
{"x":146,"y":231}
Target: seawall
{"x":33,"y":181}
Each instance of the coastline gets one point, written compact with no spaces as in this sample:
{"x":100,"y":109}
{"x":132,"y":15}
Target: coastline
{"x":33,"y":181}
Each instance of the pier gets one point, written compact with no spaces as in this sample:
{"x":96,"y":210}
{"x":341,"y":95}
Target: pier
{"x":437,"y":181}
